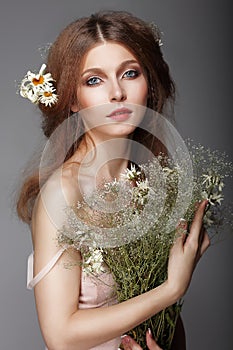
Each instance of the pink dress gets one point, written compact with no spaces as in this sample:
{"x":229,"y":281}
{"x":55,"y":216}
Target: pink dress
{"x":95,"y":292}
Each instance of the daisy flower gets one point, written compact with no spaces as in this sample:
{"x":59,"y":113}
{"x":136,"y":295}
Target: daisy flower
{"x":48,"y":97}
{"x":39,"y":87}
{"x":37,"y":80}
{"x":131,"y":174}
{"x":30,"y":93}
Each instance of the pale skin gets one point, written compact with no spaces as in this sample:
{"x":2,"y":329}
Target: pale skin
{"x":110,"y":74}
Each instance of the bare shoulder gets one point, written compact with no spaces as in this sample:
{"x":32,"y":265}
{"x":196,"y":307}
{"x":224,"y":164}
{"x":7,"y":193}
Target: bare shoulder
{"x":49,"y":215}
{"x":60,"y":191}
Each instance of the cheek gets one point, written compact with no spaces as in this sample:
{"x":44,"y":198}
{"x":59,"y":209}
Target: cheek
{"x":142,"y":93}
{"x":84,"y":99}
{"x":90,"y":97}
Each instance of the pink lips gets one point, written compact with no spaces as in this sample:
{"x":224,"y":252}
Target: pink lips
{"x":120,"y":114}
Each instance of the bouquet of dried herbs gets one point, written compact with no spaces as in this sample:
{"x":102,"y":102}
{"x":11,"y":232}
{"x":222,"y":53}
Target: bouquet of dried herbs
{"x":130,"y":225}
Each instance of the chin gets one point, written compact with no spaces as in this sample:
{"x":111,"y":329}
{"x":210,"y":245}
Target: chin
{"x":116,"y":130}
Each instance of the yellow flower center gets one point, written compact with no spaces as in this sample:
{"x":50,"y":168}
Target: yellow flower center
{"x":38,"y":81}
{"x":47,"y":94}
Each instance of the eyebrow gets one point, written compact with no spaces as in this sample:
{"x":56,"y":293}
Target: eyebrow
{"x":99,"y":70}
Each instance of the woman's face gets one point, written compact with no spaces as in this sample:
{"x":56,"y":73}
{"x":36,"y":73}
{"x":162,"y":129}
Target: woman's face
{"x":112,"y":77}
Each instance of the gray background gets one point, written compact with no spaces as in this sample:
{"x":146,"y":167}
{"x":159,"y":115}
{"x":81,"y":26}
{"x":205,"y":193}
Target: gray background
{"x":197,"y":45}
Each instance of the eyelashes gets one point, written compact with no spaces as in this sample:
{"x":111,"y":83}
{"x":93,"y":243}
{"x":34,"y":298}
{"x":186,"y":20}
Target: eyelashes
{"x":93,"y":81}
{"x":131,"y":73}
{"x":96,"y":80}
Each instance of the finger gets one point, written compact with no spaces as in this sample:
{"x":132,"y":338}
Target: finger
{"x":129,"y":343}
{"x":203,"y":246}
{"x":178,"y":244}
{"x":181,"y":235}
{"x":150,"y":342}
{"x":201,"y":237}
{"x":182,"y":228}
{"x":196,"y":226}
{"x":181,"y":232}
{"x":205,"y":243}
{"x":125,"y":342}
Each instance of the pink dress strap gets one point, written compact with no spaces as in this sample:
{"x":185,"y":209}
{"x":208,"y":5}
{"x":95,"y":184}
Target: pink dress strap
{"x":32,"y":281}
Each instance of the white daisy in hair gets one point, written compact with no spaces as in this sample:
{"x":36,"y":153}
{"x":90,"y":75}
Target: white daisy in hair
{"x":28,"y":92}
{"x":48,"y":97}
{"x":38,"y":80}
{"x":39,"y":87}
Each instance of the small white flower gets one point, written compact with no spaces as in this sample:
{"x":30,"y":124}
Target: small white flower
{"x":131,"y":174}
{"x":29,"y":93}
{"x":111,"y":186}
{"x":207,"y":219}
{"x":36,"y":80}
{"x":39,"y":87}
{"x":207,"y":180}
{"x":213,"y":188}
{"x":213,"y":180}
{"x":215,"y":198}
{"x":167,"y":170}
{"x":94,"y":261}
{"x":143,"y":186}
{"x":140,"y":192}
{"x":48,"y":97}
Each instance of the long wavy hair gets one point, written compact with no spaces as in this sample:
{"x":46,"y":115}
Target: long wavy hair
{"x":64,"y":61}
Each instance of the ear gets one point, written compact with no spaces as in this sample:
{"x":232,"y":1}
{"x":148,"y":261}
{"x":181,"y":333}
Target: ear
{"x":74,"y":108}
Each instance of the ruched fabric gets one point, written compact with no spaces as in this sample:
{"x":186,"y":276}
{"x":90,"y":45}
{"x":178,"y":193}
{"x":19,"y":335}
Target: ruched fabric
{"x":95,"y":291}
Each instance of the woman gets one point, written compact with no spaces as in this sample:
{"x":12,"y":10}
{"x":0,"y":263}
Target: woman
{"x":114,"y":60}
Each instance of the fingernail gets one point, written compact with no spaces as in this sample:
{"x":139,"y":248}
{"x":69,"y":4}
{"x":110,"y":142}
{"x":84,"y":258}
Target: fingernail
{"x":182,"y":222}
{"x":151,"y":335}
{"x":205,"y":202}
{"x":182,"y":226}
{"x":125,"y":339}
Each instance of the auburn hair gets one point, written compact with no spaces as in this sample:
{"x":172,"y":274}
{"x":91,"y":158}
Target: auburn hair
{"x":64,"y":62}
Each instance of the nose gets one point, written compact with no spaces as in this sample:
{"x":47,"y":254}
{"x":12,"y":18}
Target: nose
{"x":117,"y":92}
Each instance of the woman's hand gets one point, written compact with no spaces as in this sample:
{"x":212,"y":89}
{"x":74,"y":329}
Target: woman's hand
{"x":130,"y":344}
{"x":186,"y":252}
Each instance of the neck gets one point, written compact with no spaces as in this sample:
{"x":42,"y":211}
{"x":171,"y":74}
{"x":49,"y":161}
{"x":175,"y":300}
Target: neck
{"x":106,"y":160}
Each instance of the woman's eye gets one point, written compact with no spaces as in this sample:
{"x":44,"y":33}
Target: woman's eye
{"x":93,"y":81}
{"x":132,"y":73}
